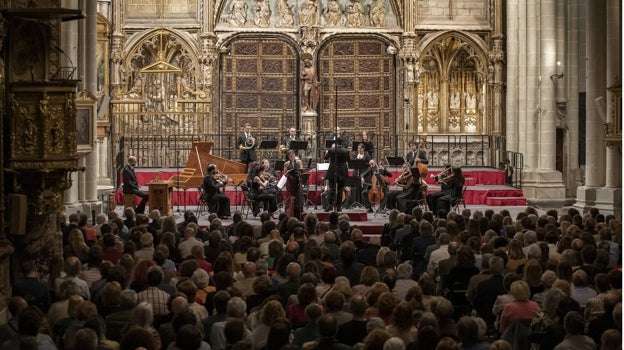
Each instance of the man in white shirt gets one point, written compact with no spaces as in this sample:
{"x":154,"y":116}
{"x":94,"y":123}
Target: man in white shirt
{"x":438,"y":254}
{"x":188,"y":243}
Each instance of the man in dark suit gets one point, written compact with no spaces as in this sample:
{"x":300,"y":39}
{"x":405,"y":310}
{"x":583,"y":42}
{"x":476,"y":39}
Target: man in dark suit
{"x":416,"y":154}
{"x":246,"y":143}
{"x":487,"y":291}
{"x":336,"y":174}
{"x":131,"y":185}
{"x":213,"y":196}
{"x":342,"y":136}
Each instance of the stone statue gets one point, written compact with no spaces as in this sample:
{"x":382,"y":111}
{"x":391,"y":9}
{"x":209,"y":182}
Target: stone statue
{"x":238,"y":13}
{"x":333,"y":13}
{"x":432,"y":100}
{"x":262,"y":14}
{"x":284,"y":14}
{"x":471,"y":100}
{"x":409,"y":73}
{"x":309,"y":87}
{"x":377,"y":13}
{"x":355,"y":14}
{"x":307,"y":13}
{"x":455,"y":100}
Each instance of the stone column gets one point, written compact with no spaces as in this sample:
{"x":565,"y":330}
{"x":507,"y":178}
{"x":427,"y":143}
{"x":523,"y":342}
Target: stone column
{"x":512,"y":100}
{"x":542,"y":184}
{"x":609,"y":198}
{"x":69,"y":42}
{"x":90,"y":45}
{"x":596,"y":34}
{"x":570,"y":123}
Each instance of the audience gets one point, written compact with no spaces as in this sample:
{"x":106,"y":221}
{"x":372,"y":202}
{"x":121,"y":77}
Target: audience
{"x":477,"y":280}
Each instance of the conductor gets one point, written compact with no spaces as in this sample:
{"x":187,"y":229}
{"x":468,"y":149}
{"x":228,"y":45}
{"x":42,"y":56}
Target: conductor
{"x":337,"y":173}
{"x":131,"y":185}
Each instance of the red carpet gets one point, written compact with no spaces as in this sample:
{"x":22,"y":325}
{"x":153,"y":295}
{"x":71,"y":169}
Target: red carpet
{"x":485,"y":187}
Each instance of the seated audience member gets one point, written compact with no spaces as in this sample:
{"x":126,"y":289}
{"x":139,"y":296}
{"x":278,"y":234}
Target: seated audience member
{"x":521,"y":308}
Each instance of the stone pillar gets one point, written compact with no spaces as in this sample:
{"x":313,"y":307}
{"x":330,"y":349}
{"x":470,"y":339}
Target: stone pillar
{"x":542,"y":184}
{"x":570,"y":123}
{"x":512,"y":100}
{"x":90,"y":45}
{"x":609,"y":198}
{"x":596,"y":34}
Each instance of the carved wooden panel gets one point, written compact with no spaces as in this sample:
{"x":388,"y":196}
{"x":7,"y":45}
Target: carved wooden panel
{"x":259,"y":86}
{"x":358,"y":79}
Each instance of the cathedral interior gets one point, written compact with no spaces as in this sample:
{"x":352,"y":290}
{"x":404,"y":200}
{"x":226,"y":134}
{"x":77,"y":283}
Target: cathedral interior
{"x":88,"y":83}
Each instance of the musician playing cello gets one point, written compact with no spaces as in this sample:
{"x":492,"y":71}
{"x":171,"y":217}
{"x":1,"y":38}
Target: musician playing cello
{"x":246,"y":143}
{"x":376,"y":172}
{"x":417,"y":153}
{"x":212,"y":195}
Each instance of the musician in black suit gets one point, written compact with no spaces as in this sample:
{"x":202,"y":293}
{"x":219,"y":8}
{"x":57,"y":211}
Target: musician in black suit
{"x":342,"y":136}
{"x":131,"y":185}
{"x":212,"y":194}
{"x":374,"y":171}
{"x":336,"y":174}
{"x":285,"y":145}
{"x":417,"y":153}
{"x":246,"y":143}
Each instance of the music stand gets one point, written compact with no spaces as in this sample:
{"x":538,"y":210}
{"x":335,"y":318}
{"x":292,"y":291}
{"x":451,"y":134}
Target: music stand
{"x":297,"y":145}
{"x":322,"y":167}
{"x":279,"y":165}
{"x":267,"y":144}
{"x":395,"y":161}
{"x":329,"y":143}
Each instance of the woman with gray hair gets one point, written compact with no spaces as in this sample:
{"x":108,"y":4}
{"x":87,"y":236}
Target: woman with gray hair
{"x":404,"y":281}
{"x":143,"y":317}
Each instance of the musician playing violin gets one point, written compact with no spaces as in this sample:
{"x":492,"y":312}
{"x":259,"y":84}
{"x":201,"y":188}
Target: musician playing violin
{"x":260,"y":190}
{"x":411,"y":189}
{"x":212,"y":195}
{"x":376,"y":172}
{"x":454,"y":185}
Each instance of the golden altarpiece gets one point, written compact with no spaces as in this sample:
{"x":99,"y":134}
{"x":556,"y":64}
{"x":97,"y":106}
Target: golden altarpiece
{"x":187,"y":70}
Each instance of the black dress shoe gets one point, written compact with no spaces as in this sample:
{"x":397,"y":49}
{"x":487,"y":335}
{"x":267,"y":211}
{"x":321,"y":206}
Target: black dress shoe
{"x":328,"y":209}
{"x":369,"y":210}
{"x":225,"y":217}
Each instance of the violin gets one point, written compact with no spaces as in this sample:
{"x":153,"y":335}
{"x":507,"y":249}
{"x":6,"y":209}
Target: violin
{"x":221,"y":177}
{"x":405,"y":180}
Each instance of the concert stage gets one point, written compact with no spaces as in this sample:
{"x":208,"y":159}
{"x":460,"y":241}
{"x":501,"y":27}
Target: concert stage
{"x":485,"y":186}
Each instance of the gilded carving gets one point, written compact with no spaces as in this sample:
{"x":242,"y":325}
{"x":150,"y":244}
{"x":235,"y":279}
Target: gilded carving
{"x":238,"y":13}
{"x":307,"y":13}
{"x":309,"y":37}
{"x":332,"y":13}
{"x":26,"y":131}
{"x":284,"y":14}
{"x":377,"y":13}
{"x":262,"y":13}
{"x":355,"y":14}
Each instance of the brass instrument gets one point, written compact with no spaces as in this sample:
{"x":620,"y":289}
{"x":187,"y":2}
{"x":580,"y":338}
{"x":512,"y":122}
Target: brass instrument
{"x":284,"y":148}
{"x":250,"y":142}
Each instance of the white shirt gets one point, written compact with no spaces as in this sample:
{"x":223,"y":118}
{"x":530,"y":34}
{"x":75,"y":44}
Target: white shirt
{"x":435,"y":258}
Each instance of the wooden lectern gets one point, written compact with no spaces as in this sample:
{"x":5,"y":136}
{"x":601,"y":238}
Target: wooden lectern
{"x":160,"y":196}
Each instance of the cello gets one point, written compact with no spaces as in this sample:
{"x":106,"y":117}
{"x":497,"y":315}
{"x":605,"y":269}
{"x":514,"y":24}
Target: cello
{"x":376,"y":192}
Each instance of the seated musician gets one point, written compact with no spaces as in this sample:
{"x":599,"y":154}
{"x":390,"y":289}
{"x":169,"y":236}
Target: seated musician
{"x":411,"y":189}
{"x":440,"y":180}
{"x":361,"y":153}
{"x":454,"y":183}
{"x":261,"y":190}
{"x":376,"y":172}
{"x":212,"y":195}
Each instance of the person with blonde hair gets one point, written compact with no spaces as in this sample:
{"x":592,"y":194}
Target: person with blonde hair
{"x":368,"y":277}
{"x":521,"y":309}
{"x":76,"y":246}
{"x":270,"y":312}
